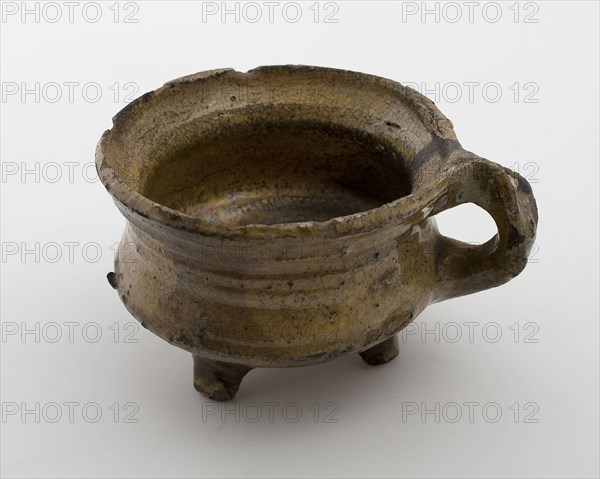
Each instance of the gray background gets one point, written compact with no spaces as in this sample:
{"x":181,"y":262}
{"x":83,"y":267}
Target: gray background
{"x":527,"y":351}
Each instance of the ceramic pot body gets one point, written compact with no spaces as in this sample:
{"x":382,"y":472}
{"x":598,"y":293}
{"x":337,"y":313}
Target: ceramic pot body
{"x":285,"y":216}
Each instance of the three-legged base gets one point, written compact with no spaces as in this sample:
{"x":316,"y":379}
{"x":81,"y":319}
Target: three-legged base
{"x":220,"y":381}
{"x":381,"y":353}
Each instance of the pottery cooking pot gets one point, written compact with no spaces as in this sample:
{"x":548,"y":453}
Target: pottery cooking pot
{"x":285,"y":216}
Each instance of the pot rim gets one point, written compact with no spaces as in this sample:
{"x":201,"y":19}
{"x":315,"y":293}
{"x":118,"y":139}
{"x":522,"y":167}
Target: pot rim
{"x":411,"y":208}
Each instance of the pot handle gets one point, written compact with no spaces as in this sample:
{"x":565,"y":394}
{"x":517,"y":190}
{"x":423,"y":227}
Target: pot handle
{"x":463,"y":268}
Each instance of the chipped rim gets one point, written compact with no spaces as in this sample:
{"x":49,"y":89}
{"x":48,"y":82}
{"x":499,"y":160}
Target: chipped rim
{"x":413,"y":207}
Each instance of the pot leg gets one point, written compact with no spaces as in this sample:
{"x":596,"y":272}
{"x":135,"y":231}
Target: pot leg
{"x":381,"y":353}
{"x":217,"y":380}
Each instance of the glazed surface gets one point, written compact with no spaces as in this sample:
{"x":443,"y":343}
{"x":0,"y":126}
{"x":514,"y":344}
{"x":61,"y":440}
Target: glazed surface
{"x":285,"y":216}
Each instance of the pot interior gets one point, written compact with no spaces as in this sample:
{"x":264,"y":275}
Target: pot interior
{"x":279,"y":172}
